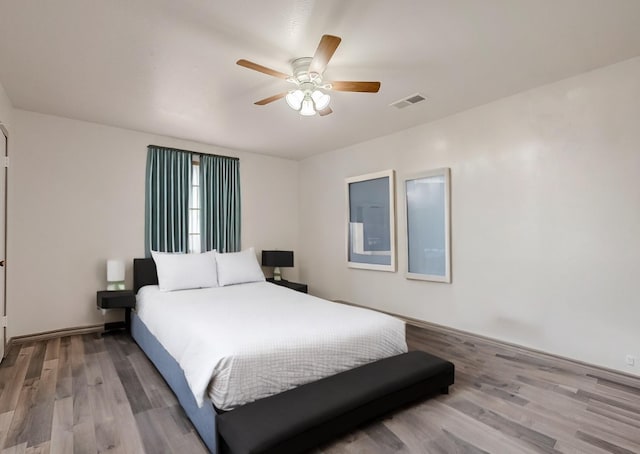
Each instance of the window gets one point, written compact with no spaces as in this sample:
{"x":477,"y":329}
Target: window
{"x":194,"y":207}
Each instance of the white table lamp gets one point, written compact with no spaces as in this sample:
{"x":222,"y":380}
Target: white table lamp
{"x":115,"y":274}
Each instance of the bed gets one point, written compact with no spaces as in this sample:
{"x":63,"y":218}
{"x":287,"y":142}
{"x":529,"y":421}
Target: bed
{"x":222,"y":348}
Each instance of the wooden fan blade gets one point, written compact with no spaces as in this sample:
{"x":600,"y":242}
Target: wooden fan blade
{"x":325,"y":111}
{"x":363,"y":87}
{"x":324,"y":52}
{"x":264,"y":101}
{"x":263,"y":69}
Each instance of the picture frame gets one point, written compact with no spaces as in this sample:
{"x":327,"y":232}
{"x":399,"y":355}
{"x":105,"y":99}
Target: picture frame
{"x":371,"y":219}
{"x":427,"y":198}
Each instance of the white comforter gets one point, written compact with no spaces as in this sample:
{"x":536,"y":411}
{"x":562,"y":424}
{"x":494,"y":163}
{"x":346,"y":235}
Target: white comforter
{"x":244,"y":342}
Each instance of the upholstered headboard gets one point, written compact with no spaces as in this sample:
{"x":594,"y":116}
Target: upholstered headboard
{"x":144,"y":273}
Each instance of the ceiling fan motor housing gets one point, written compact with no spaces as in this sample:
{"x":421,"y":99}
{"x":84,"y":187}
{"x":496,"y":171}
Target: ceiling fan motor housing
{"x":301,"y":74}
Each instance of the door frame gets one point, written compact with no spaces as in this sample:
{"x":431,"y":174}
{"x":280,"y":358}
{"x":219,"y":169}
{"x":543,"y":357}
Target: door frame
{"x":5,"y":168}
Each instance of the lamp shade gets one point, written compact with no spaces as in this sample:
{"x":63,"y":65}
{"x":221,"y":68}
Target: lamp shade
{"x":307,"y":108}
{"x":321,"y":100}
{"x":277,"y":258}
{"x":294,"y":99}
{"x":115,"y":270}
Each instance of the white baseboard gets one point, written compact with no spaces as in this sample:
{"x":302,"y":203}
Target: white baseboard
{"x":472,"y":337}
{"x":46,"y":335}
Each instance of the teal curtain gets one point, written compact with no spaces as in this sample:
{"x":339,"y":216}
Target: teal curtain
{"x":220,"y":203}
{"x":168,"y":185}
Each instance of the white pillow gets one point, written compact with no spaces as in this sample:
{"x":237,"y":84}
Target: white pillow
{"x":238,"y":267}
{"x":185,"y":271}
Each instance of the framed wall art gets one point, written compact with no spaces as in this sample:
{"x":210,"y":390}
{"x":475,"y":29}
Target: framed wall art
{"x":371,"y":216}
{"x":427,"y":208}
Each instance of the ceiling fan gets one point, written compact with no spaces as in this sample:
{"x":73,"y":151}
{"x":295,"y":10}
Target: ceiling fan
{"x":308,"y":97}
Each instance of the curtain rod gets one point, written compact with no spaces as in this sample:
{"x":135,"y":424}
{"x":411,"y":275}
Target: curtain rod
{"x":194,"y":152}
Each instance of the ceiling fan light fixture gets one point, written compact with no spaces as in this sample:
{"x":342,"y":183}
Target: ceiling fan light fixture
{"x":294,"y":98}
{"x":320,"y":99}
{"x":307,"y":108}
{"x":307,"y":73}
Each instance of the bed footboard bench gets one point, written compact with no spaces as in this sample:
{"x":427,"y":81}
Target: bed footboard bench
{"x":299,"y":419}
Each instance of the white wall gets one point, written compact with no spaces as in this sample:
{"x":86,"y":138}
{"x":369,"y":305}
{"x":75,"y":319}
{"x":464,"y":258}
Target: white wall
{"x":77,"y":199}
{"x":545,"y":218}
{"x":6,"y":109}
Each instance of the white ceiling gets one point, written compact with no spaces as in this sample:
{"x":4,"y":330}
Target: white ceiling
{"x":168,"y":66}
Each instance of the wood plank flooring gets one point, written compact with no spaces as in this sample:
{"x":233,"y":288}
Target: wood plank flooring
{"x":91,"y":394}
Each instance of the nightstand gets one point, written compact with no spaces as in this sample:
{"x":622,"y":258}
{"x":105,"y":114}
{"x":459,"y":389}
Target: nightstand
{"x":292,"y":285}
{"x":117,"y":299}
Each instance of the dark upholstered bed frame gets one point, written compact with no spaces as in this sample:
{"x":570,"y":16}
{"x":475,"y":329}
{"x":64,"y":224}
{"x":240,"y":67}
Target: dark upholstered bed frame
{"x":299,"y":419}
{"x":144,"y":273}
{"x":203,"y":418}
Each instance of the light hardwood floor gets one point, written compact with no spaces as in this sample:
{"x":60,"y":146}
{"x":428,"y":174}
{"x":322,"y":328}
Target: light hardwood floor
{"x":88,"y":394}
